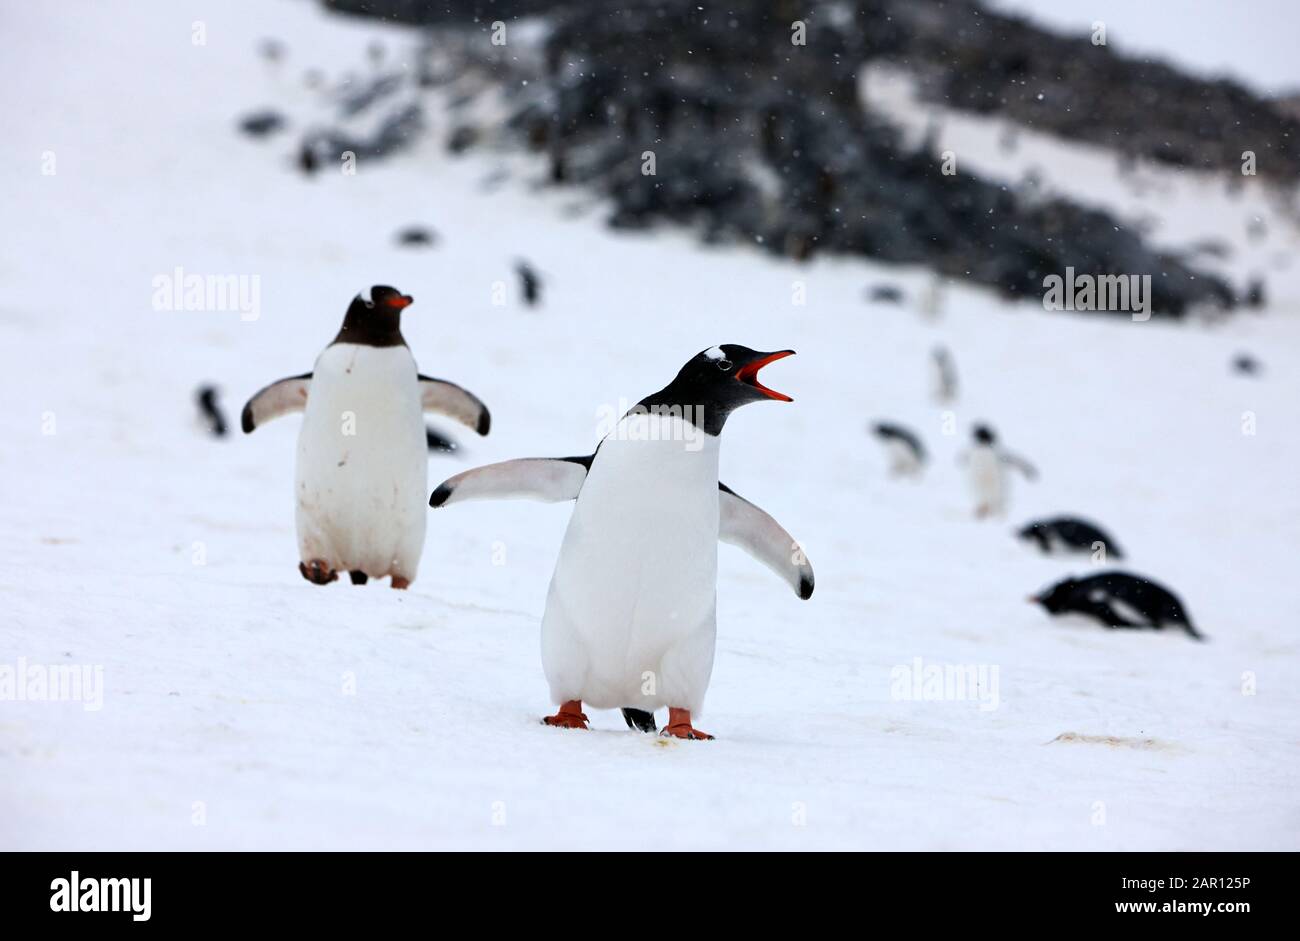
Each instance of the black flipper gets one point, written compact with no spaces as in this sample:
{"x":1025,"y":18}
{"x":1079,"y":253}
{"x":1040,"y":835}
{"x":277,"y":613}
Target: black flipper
{"x":639,"y":720}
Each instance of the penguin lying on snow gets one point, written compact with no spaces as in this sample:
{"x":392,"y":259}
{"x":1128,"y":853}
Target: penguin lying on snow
{"x":631,"y":614}
{"x":986,"y":468}
{"x":906,"y":453}
{"x":1069,"y":534}
{"x":1117,"y":599}
{"x":362,"y":468}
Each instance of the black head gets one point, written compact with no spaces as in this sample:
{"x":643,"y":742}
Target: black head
{"x":983,"y":434}
{"x":716,"y":382}
{"x":1058,"y":597}
{"x":375,"y":322}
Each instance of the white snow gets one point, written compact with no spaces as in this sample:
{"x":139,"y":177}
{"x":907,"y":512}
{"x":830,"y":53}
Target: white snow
{"x":245,"y":708}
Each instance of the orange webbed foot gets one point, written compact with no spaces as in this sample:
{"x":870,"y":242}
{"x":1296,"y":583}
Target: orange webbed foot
{"x":570,"y":716}
{"x":317,"y":572}
{"x":679,"y":726}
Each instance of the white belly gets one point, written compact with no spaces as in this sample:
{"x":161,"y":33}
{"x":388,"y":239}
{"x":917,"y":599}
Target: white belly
{"x":987,"y":478}
{"x":362,"y":476}
{"x":631,"y":613}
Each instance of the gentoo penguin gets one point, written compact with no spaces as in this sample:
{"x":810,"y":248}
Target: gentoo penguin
{"x":1117,"y":599}
{"x":530,"y":285}
{"x":986,"y":468}
{"x":906,"y":453}
{"x":631,"y":614}
{"x":362,"y":468}
{"x":931,"y":302}
{"x":1068,"y":534}
{"x":210,"y":410}
{"x":943,"y":375}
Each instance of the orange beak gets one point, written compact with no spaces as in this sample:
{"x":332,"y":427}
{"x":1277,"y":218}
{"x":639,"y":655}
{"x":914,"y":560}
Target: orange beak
{"x":749,"y":374}
{"x":404,"y":300}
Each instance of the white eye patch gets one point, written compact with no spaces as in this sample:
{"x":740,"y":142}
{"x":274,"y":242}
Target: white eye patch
{"x":715,"y":353}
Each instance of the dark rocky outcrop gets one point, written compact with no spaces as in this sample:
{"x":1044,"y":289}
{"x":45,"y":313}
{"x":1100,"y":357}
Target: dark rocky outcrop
{"x":754,"y":138}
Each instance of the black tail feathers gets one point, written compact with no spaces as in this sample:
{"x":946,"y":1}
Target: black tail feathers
{"x":640,"y":720}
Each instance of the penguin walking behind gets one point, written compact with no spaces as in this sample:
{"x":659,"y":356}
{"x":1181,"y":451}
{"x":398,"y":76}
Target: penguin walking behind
{"x":631,"y":613}
{"x":1069,"y":534}
{"x":986,"y":470}
{"x":906,"y":453}
{"x":1117,"y":600}
{"x":210,"y":411}
{"x":530,"y":283}
{"x":943,"y":375}
{"x":932,"y":299}
{"x":362,"y":467}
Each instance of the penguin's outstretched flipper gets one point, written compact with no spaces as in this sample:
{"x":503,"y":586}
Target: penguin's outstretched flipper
{"x":548,"y":479}
{"x":1019,"y":463}
{"x":447,"y":398}
{"x":279,"y":398}
{"x":639,"y":720}
{"x":745,"y":525}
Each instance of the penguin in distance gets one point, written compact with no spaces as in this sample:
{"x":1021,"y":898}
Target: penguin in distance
{"x":906,"y":452}
{"x":631,"y":613}
{"x":1069,"y":534}
{"x":530,"y":283}
{"x":943,"y":375}
{"x":362,"y":465}
{"x":987,"y":463}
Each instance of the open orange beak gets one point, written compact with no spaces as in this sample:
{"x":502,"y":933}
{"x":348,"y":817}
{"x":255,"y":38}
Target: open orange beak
{"x":748,"y":374}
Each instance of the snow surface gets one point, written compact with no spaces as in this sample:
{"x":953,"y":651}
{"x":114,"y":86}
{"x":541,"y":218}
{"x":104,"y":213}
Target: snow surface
{"x":226,"y":719}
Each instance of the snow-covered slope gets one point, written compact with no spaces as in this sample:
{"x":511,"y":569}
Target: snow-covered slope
{"x":243,"y":707}
{"x":1251,"y":45}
